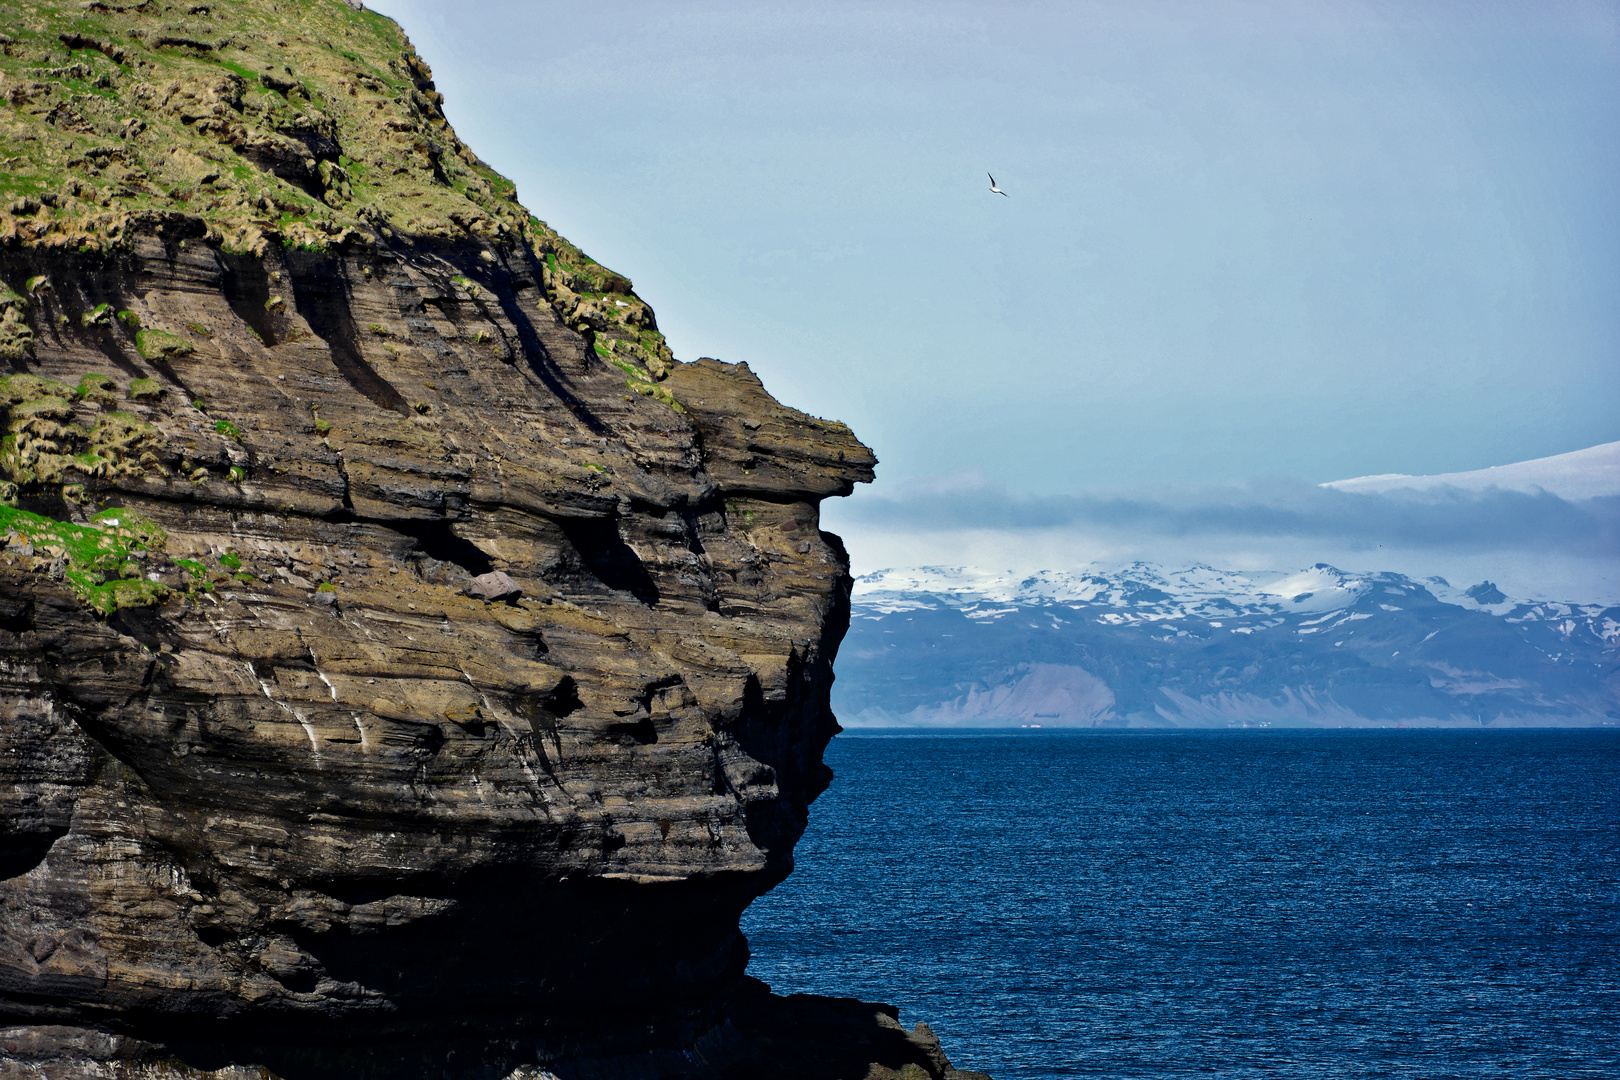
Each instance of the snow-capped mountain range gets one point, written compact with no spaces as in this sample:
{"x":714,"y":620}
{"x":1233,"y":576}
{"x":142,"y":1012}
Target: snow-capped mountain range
{"x":1139,"y":590}
{"x":1144,"y":645}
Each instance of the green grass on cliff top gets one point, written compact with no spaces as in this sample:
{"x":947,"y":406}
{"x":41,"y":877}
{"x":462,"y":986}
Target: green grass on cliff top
{"x":293,"y":122}
{"x":198,"y":108}
{"x":239,"y":112}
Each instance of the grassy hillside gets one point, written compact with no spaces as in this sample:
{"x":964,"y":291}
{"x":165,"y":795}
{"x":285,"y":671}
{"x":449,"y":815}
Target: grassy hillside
{"x":303,"y":123}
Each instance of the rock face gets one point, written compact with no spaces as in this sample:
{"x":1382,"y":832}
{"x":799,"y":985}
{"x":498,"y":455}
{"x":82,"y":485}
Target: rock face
{"x":406,"y":665}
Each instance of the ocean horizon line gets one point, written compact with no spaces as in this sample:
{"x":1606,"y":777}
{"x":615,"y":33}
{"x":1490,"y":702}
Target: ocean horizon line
{"x":872,"y":732}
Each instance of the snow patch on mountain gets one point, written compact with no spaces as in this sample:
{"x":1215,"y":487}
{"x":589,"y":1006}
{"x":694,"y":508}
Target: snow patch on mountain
{"x":1149,"y":590}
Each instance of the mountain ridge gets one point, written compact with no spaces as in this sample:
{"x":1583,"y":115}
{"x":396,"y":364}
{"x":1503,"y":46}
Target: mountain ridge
{"x":1142,"y":645}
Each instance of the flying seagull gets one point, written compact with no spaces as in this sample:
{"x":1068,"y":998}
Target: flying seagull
{"x":995,"y":189}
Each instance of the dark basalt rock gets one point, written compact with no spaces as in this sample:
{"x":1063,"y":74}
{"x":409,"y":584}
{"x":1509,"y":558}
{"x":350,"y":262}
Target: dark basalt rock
{"x":407,"y":667}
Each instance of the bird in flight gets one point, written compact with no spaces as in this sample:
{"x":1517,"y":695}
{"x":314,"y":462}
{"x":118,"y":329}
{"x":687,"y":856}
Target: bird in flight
{"x":995,"y":189}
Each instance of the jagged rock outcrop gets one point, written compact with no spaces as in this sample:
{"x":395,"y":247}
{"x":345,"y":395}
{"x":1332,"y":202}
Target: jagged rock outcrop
{"x":407,"y":667}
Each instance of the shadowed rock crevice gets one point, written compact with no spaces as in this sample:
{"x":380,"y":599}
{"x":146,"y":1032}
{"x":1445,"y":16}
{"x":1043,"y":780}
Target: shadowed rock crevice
{"x":323,"y":301}
{"x":436,"y":541}
{"x":612,"y":562}
{"x":543,"y":365}
{"x":545,"y":712}
{"x":21,"y":853}
{"x":246,"y":285}
{"x":16,"y":616}
{"x":106,"y":341}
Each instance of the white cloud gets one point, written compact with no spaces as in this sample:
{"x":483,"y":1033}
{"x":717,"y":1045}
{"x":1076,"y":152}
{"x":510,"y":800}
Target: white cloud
{"x":1531,"y":543}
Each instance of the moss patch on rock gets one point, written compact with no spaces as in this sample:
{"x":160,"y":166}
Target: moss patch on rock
{"x":98,"y":561}
{"x":637,"y":378}
{"x":41,"y":442}
{"x":98,"y":388}
{"x":155,"y":344}
{"x":16,"y":336}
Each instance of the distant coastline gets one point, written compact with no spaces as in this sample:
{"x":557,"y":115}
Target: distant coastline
{"x":1145,"y":646}
{"x":1023,"y":731}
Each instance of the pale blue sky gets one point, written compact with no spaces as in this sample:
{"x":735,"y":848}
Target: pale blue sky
{"x":1269,"y":238}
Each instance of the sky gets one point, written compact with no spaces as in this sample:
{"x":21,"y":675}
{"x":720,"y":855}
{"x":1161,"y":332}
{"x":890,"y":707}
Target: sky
{"x":1248,"y":247}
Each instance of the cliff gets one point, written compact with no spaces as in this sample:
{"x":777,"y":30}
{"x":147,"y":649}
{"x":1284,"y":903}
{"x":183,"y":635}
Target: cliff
{"x":407,"y":666}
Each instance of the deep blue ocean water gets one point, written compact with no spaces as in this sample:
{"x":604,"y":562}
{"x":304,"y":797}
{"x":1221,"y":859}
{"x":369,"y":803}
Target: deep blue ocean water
{"x":1419,"y":904}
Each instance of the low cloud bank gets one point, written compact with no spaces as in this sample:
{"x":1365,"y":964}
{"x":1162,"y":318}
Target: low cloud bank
{"x":1534,"y":542}
{"x":1446,"y":517}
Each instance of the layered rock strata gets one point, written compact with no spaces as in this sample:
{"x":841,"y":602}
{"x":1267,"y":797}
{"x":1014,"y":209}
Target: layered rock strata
{"x":407,"y":667}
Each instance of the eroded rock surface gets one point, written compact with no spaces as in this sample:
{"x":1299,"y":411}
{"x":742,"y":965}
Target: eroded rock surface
{"x":407,"y":667}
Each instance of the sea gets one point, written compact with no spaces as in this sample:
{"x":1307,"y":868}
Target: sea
{"x":1246,"y":903}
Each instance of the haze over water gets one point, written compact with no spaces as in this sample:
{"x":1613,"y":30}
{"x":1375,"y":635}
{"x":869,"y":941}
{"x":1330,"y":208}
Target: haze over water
{"x":1236,"y":904}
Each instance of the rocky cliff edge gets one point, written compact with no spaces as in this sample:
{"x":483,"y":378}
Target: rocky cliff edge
{"x":407,"y":667}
